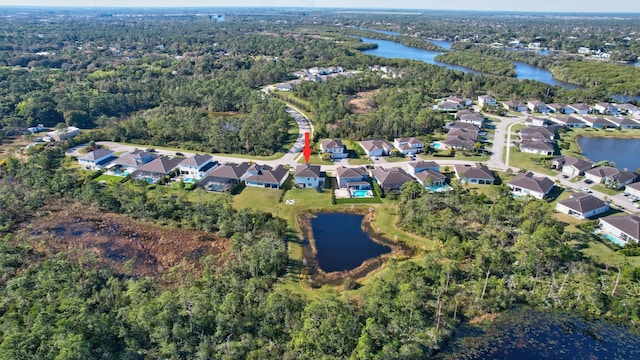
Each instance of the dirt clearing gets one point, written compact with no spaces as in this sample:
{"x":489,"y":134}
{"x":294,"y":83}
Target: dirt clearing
{"x":362,"y":103}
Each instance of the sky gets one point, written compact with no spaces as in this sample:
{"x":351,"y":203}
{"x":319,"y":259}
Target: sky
{"x":623,"y":6}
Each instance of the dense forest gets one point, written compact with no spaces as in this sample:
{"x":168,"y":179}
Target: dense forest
{"x":486,"y":64}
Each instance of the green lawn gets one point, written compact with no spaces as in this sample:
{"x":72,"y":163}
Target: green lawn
{"x":109,"y":179}
{"x":459,"y":155}
{"x":605,"y":190}
{"x":529,"y":161}
{"x":360,"y":161}
{"x":395,"y":159}
{"x":315,"y":159}
{"x":603,"y":254}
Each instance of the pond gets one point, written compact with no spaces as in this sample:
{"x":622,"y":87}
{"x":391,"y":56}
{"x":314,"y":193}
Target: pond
{"x":391,"y":49}
{"x":524,"y":334}
{"x":623,"y":152}
{"x":340,"y":242}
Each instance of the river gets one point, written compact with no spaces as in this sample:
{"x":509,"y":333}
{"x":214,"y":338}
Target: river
{"x":391,"y":49}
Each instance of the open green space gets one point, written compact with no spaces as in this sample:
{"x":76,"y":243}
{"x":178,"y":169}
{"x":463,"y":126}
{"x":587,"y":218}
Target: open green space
{"x":529,"y":161}
{"x":109,"y":179}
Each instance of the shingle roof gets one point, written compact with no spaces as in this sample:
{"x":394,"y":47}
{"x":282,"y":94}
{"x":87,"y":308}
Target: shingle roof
{"x":96,"y":154}
{"x":375,"y":144}
{"x":604,"y":171}
{"x":408,"y":140}
{"x":331,"y":143}
{"x":308,"y":171}
{"x":134,"y":158}
{"x":419,"y":165}
{"x":161,"y":165}
{"x":267,"y":174}
{"x":230,"y":171}
{"x":477,"y":171}
{"x":196,"y":160}
{"x":537,"y":145}
{"x":536,"y":133}
{"x":581,"y":165}
{"x":583,"y":203}
{"x":528,"y":181}
{"x":391,"y":179}
{"x":629,"y":224}
{"x":346,"y":172}
{"x":434,"y":176}
{"x":466,"y":115}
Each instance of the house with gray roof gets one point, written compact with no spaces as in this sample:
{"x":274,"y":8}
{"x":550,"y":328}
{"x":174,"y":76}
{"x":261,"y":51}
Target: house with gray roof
{"x":474,"y":174}
{"x":334,"y":147}
{"x":486,"y":100}
{"x":560,"y":108}
{"x":197,"y":166}
{"x":568,"y":121}
{"x":633,"y":189}
{"x":516,"y":106}
{"x":537,"y":106}
{"x":408,"y":145}
{"x":96,"y":159}
{"x":130,"y":162}
{"x":540,"y":147}
{"x":467,"y":116}
{"x":156,"y":169}
{"x":390,"y":180}
{"x":610,"y":176}
{"x":624,"y":123}
{"x":430,"y":179}
{"x":625,"y":229}
{"x":537,"y":133}
{"x":598,"y":122}
{"x":419,"y":166}
{"x":376,"y":147}
{"x":309,"y":176}
{"x":225,"y":177}
{"x":346,"y":176}
{"x":628,"y":109}
{"x":529,"y":185}
{"x":447,"y":106}
{"x":571,"y":165}
{"x":582,"y":206}
{"x":581,"y":108}
{"x":459,"y":100}
{"x":267,"y":177}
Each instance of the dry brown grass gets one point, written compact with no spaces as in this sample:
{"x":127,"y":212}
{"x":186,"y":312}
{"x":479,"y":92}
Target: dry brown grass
{"x":361,"y":103}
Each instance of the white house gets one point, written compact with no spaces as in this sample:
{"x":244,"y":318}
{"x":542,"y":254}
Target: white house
{"x":409,"y":145}
{"x":64,"y":134}
{"x":582,"y":206}
{"x":376,"y":147}
{"x":633,"y":189}
{"x":571,"y":165}
{"x":309,"y":176}
{"x":197,"y":166}
{"x":334,"y":147}
{"x":36,"y":129}
{"x":537,"y":106}
{"x":459,"y":100}
{"x":96,"y":159}
{"x":514,"y":106}
{"x":419,"y":166}
{"x":540,"y":147}
{"x":624,"y":228}
{"x":580,"y":108}
{"x":470,"y":117}
{"x":610,"y":176}
{"x":598,"y":122}
{"x":430,"y":179}
{"x":606,"y":109}
{"x":568,"y":121}
{"x":130,"y":162}
{"x":486,"y":100}
{"x":560,"y":108}
{"x":527,"y":184}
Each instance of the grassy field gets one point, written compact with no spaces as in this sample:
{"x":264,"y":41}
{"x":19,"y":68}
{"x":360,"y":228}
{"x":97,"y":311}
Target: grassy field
{"x":529,"y":161}
{"x":315,"y":159}
{"x":459,"y":155}
{"x":109,"y":179}
{"x":360,"y":161}
{"x":605,"y":190}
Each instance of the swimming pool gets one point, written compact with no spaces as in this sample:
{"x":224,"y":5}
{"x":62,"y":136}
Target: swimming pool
{"x":361,"y":193}
{"x":436,"y":145}
{"x":189,"y":180}
{"x":614,"y":239}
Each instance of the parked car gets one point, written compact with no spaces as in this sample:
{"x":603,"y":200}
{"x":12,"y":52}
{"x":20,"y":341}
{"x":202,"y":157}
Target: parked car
{"x":584,"y":189}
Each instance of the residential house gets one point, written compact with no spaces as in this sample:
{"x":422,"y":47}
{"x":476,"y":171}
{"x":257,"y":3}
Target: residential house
{"x":474,"y":174}
{"x":610,"y":176}
{"x":536,"y":121}
{"x":598,"y":122}
{"x":582,"y":206}
{"x":334,"y":147}
{"x":266,"y":176}
{"x":419,"y":166}
{"x":628,"y":109}
{"x":300,"y":74}
{"x":346,"y":176}
{"x":408,"y":145}
{"x":130,"y":162}
{"x":459,"y":100}
{"x":514,"y":106}
{"x":309,"y":176}
{"x":633,"y":189}
{"x":537,"y":133}
{"x":284,"y":87}
{"x":571,"y":165}
{"x":540,"y":147}
{"x":568,"y":121}
{"x":527,"y":184}
{"x":560,"y":108}
{"x":430,"y":179}
{"x":156,"y":169}
{"x":581,"y":108}
{"x":36,"y":129}
{"x":624,"y":228}
{"x":624,"y":123}
{"x":486,"y":100}
{"x":376,"y":147}
{"x":447,"y":106}
{"x":467,"y":116}
{"x":390,"y":180}
{"x":96,"y":159}
{"x":197,"y":166}
{"x":64,"y":134}
{"x":225,"y":177}
{"x":606,"y":108}
{"x":537,"y":106}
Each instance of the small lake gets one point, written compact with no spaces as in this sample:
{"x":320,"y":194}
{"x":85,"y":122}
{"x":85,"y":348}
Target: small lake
{"x":340,"y":242}
{"x":623,"y":152}
{"x":524,"y":334}
{"x":391,"y":49}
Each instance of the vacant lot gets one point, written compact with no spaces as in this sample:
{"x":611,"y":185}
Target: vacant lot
{"x":361,"y":103}
{"x":127,"y":246}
